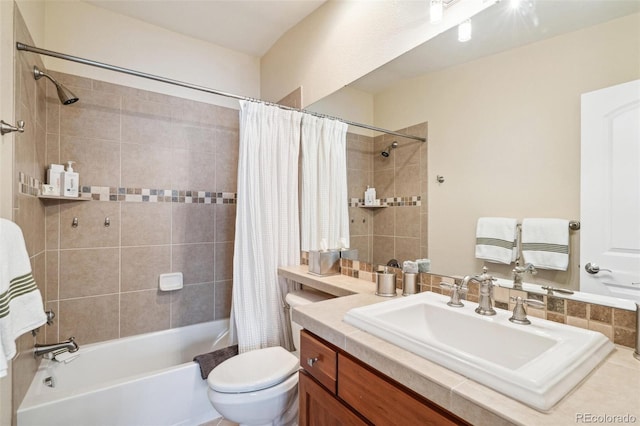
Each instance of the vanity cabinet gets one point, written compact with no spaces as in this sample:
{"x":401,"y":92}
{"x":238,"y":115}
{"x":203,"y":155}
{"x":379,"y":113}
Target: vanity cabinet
{"x":335,"y":388}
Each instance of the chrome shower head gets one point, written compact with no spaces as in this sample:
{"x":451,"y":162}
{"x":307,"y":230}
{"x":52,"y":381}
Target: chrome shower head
{"x":387,"y":151}
{"x":65,"y":95}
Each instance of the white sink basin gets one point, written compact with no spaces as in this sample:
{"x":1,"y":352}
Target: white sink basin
{"x":537,"y":364}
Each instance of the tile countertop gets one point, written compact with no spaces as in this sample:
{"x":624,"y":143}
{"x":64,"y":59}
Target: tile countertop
{"x":610,"y":390}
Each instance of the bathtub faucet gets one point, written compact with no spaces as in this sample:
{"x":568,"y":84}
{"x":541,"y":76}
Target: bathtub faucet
{"x":66,"y":346}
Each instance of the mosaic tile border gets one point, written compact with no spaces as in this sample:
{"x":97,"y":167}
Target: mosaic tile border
{"x":28,"y":185}
{"x":412,"y":200}
{"x":148,"y":195}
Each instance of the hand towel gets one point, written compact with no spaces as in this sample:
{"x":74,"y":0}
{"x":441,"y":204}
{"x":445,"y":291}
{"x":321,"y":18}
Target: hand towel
{"x":545,"y":243}
{"x":496,"y":239}
{"x":21,"y":308}
{"x":210,"y":360}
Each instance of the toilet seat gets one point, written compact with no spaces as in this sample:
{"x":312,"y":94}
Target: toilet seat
{"x":253,"y":371}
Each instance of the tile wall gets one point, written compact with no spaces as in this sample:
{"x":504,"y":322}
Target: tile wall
{"x":397,"y":229}
{"x":619,"y":325}
{"x":28,"y":211}
{"x":162,"y":171}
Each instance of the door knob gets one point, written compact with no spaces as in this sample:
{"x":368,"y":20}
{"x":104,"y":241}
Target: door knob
{"x":592,"y":268}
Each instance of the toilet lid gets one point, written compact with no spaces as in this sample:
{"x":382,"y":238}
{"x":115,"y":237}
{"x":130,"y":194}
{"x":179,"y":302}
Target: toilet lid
{"x":252,"y":371}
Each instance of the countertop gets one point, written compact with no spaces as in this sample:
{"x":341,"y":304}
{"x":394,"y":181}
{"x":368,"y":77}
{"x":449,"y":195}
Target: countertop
{"x":610,"y":390}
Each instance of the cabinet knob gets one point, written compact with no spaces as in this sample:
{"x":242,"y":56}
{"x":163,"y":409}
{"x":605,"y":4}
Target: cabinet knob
{"x":312,"y":361}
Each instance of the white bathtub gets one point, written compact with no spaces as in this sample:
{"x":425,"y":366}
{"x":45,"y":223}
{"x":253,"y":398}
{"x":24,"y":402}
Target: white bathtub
{"x":148,"y":379}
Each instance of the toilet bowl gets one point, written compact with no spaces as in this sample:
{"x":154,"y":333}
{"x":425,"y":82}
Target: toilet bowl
{"x":261,"y":387}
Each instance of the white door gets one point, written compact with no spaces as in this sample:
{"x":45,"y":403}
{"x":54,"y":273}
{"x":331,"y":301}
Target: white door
{"x":610,"y":191}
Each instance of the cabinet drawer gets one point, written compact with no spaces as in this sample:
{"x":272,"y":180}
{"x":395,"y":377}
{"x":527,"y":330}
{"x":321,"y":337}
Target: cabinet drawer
{"x":319,"y":360}
{"x":382,"y":401}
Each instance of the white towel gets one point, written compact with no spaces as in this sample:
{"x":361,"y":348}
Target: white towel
{"x":21,"y":307}
{"x":496,"y":239}
{"x":545,"y":243}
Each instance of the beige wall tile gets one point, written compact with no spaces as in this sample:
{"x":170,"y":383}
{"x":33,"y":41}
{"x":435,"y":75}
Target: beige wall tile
{"x":223,"y":295}
{"x":359,"y":221}
{"x":359,"y":153}
{"x":384,"y":221}
{"x":406,"y":248}
{"x":226,"y":160}
{"x":195,"y":261}
{"x":578,"y":322}
{"x":225,"y":222}
{"x":193,"y":170}
{"x":146,"y":224}
{"x":576,"y":309}
{"x":147,"y":123}
{"x":406,"y":183}
{"x":201,"y":139}
{"x":358,"y":181}
{"x":383,"y":249}
{"x":224,"y":260}
{"x":407,"y":221}
{"x":601,"y":313}
{"x":142,"y":266}
{"x":96,"y":116}
{"x":192,"y":223}
{"x":384,"y":183}
{"x":624,"y":337}
{"x":89,"y":272}
{"x":89,"y":319}
{"x":96,"y":161}
{"x":90,"y":231}
{"x":624,"y":318}
{"x":155,"y":305}
{"x":193,"y":304}
{"x":51,"y":292}
{"x":407,"y":153}
{"x":147,"y":168}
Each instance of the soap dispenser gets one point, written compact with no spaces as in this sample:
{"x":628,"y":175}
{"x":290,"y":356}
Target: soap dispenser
{"x":70,"y":181}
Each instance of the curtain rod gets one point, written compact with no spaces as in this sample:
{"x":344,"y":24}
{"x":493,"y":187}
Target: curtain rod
{"x":33,"y":49}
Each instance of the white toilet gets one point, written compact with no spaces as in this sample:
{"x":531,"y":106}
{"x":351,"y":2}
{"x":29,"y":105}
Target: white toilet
{"x":261,"y":387}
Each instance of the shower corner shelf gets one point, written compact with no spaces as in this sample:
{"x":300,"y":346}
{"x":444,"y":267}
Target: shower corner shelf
{"x":373,"y":207}
{"x":60,"y":197}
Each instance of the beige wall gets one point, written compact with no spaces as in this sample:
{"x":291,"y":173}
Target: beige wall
{"x":81,"y":29}
{"x":344,"y":40}
{"x":504,"y":131}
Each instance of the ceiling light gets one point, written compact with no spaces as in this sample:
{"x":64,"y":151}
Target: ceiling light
{"x":464,"y":31}
{"x":515,"y":4}
{"x":436,"y":11}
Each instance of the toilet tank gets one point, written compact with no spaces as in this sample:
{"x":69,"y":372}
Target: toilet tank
{"x":299,"y":298}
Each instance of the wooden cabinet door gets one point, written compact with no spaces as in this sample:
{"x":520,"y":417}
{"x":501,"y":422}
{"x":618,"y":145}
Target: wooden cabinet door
{"x":319,"y":408}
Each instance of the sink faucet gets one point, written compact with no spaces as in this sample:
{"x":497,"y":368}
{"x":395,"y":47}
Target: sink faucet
{"x":68,"y":346}
{"x":519,"y":271}
{"x":485,"y":305}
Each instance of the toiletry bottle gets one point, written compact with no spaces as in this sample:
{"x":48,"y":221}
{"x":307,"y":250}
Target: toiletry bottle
{"x":54,"y":178}
{"x":70,"y":181}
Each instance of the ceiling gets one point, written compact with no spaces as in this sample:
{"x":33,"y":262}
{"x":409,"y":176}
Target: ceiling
{"x":253,"y":26}
{"x":495,"y":29}
{"x":248,"y":26}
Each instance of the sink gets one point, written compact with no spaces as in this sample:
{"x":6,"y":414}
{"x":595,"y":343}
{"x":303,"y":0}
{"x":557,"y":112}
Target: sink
{"x":536,"y":364}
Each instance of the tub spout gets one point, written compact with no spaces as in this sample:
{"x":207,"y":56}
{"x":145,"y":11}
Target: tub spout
{"x":66,"y":346}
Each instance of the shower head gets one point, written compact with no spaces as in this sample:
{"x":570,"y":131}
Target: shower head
{"x":387,"y":151}
{"x":65,"y":95}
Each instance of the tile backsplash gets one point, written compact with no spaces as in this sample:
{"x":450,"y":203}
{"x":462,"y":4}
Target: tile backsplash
{"x":619,"y":325}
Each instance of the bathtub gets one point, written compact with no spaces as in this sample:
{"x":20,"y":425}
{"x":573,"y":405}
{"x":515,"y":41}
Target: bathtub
{"x":149,"y":379}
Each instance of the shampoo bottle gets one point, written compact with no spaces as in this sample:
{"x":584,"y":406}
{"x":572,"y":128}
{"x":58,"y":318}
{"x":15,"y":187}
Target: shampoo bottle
{"x":70,"y":181}
{"x":54,"y":178}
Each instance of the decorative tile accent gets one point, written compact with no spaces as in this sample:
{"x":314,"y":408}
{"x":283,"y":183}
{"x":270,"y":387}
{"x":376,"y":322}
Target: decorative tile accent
{"x":28,"y":185}
{"x":413,"y":200}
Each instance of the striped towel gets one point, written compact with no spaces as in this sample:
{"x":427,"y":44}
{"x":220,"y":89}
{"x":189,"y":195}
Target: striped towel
{"x":20,"y":300}
{"x":545,"y":243}
{"x":496,"y":239}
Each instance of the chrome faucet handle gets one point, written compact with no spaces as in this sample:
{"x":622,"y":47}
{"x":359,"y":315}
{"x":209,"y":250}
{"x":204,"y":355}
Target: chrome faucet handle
{"x":456,"y":292}
{"x":519,"y":314}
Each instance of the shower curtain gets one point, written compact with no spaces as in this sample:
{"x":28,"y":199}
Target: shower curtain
{"x":267,"y":224}
{"x":325,"y":214}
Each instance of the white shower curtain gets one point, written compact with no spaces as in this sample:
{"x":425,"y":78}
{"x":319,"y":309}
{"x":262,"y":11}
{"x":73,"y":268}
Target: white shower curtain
{"x":267,"y":224}
{"x":324,"y":210}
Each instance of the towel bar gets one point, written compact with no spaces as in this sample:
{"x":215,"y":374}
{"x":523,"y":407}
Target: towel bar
{"x":574,"y":225}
